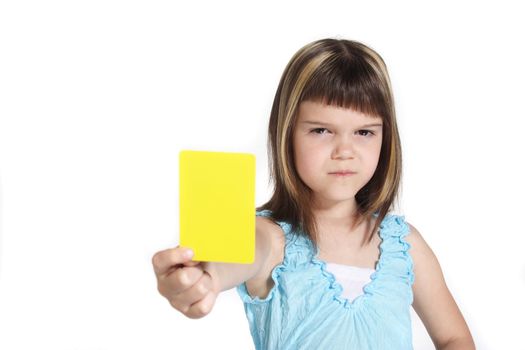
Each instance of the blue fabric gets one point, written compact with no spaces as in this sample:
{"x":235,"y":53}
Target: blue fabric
{"x":305,"y":310}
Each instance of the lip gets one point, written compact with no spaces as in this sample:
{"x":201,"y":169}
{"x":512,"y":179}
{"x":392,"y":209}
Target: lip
{"x":342,"y":173}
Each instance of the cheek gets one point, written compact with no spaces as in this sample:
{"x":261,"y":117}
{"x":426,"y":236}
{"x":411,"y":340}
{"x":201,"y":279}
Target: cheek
{"x":306,"y":159}
{"x":301,"y":159}
{"x":373,"y":158}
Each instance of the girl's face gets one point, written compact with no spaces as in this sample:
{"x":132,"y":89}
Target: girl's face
{"x":336,"y":150}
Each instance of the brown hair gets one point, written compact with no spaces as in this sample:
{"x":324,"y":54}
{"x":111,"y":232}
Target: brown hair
{"x":347,"y":74}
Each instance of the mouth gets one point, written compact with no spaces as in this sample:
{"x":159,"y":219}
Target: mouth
{"x":343,"y":173}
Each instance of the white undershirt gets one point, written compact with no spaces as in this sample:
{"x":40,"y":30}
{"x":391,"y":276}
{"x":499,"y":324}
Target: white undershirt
{"x":351,"y":278}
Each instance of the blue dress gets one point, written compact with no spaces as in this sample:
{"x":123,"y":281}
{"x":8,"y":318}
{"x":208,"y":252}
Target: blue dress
{"x":305,"y":310}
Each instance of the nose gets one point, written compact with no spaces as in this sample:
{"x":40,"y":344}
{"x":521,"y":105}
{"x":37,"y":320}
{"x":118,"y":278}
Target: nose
{"x":343,"y":148}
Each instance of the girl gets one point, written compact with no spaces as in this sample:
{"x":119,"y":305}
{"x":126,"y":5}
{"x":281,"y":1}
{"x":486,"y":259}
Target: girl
{"x":334,"y":269}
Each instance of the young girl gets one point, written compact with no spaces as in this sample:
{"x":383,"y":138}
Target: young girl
{"x":334,"y":269}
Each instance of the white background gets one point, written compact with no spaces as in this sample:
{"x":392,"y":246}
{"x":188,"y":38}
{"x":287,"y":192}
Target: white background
{"x":98,"y":97}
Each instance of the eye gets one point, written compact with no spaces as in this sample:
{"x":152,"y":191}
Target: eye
{"x":319,"y":131}
{"x":366,"y":132}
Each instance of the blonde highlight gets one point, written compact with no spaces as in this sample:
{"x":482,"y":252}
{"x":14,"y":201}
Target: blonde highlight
{"x":290,"y":112}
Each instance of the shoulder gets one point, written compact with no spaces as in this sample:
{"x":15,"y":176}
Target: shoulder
{"x":419,"y":248}
{"x":268,"y":228}
{"x":265,"y":223}
{"x":427,"y":269}
{"x":414,"y":237}
{"x":270,"y":242}
{"x":274,"y":236}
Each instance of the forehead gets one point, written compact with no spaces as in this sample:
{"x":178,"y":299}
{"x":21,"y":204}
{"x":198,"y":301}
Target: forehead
{"x":320,"y":112}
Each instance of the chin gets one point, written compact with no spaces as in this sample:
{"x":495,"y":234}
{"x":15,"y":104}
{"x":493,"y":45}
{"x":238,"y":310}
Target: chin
{"x":339,"y":197}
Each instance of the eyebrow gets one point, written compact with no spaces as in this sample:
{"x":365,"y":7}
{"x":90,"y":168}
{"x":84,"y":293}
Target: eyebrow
{"x":312,"y":122}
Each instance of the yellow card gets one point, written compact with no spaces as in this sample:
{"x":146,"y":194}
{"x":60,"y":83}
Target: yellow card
{"x":217,"y":205}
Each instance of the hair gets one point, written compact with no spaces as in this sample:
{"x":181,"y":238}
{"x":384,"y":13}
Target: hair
{"x":341,"y":73}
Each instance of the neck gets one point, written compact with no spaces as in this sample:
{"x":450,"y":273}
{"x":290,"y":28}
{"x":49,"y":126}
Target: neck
{"x":342,"y":214}
{"x":337,"y":222}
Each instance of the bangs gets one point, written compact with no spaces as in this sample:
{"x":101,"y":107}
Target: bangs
{"x":348,"y":81}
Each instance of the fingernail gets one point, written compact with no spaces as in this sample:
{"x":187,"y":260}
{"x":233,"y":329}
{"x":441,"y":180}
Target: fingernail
{"x":188,"y":253}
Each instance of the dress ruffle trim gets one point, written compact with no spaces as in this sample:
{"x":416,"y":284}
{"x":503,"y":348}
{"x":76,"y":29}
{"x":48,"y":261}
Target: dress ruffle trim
{"x":393,"y":229}
{"x":394,"y":226}
{"x":337,"y":290}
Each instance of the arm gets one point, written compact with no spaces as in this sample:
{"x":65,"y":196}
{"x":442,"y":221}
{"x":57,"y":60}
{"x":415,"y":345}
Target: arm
{"x":192,"y":287}
{"x":432,"y":300}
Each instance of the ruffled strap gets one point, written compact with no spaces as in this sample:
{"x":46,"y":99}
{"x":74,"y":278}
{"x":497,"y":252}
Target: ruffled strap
{"x":395,"y":261}
{"x":394,"y":226}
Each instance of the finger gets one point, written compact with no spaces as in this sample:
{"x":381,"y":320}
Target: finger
{"x":192,"y":263}
{"x":179,"y":280}
{"x":196,"y":292}
{"x":202,"y":307}
{"x":165,"y":260}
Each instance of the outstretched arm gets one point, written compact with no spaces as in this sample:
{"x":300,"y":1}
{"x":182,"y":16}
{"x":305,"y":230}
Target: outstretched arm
{"x":192,"y":287}
{"x":432,"y":300}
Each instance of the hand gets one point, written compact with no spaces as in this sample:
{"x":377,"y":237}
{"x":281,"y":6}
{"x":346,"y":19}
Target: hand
{"x":187,"y":286}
